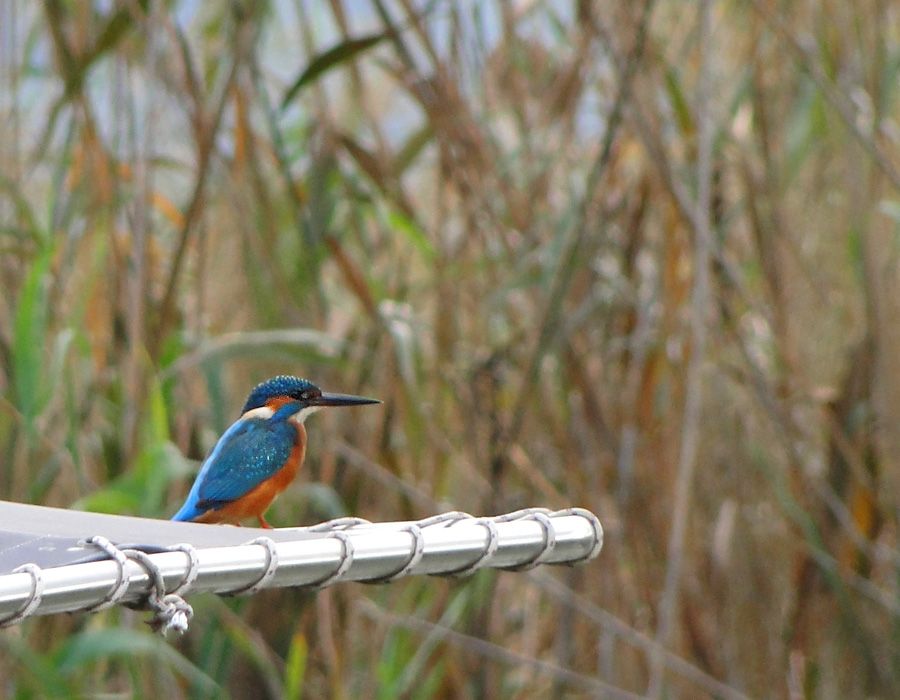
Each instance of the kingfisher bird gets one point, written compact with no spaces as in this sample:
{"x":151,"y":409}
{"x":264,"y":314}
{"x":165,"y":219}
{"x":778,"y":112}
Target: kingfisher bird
{"x":259,"y":455}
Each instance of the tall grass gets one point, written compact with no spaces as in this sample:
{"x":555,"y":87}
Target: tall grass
{"x":615,"y":255}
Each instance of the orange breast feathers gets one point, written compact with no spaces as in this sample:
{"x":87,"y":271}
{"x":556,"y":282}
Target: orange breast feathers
{"x":258,"y":499}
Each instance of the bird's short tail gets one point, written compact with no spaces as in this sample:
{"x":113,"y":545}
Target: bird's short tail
{"x":188,"y":512}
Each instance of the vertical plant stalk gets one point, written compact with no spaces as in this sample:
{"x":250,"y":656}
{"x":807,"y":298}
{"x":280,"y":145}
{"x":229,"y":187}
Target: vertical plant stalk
{"x":207,"y":130}
{"x":279,"y":150}
{"x":687,"y":457}
{"x":571,"y":258}
{"x":141,"y":141}
{"x":806,"y":59}
{"x":11,"y":152}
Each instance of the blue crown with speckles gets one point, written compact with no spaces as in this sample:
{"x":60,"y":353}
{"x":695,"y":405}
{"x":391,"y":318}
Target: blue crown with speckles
{"x":282,"y":385}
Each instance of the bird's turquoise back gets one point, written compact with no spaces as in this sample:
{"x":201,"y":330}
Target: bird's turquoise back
{"x":248,"y":453}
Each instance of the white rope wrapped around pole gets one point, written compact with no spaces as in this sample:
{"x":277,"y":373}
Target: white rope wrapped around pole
{"x":349,"y":549}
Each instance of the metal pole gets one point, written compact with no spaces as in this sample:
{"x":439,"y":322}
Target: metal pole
{"x":376,"y":551}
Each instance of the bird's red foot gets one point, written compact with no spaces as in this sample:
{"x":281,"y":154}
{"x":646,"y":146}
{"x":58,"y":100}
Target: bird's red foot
{"x":264,"y":524}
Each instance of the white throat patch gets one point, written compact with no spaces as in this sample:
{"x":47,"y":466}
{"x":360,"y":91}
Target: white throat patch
{"x":304,"y":413}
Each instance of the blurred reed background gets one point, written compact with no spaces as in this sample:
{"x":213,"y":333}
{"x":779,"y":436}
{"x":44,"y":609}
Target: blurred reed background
{"x":640,"y":257}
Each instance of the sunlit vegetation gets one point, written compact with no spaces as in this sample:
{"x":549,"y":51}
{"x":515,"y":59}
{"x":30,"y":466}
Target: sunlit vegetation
{"x":640,"y":257}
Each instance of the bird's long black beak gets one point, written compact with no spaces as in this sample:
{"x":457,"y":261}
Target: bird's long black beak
{"x":327,"y":399}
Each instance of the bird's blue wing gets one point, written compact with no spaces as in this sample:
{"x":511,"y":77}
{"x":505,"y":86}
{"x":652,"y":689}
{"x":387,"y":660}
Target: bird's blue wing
{"x":251,"y":451}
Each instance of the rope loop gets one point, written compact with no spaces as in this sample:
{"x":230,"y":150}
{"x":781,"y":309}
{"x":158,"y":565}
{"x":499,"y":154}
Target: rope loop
{"x":594,"y":522}
{"x":414,"y":558}
{"x":492,"y":544}
{"x":34,"y":597}
{"x":445,"y":519}
{"x":344,"y":565}
{"x":193,"y":567}
{"x":338,"y":524}
{"x":171,"y":611}
{"x":114,"y":595}
{"x":268,"y":544}
{"x":542,"y":517}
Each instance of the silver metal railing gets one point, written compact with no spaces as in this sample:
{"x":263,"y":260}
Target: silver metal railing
{"x":348,"y":549}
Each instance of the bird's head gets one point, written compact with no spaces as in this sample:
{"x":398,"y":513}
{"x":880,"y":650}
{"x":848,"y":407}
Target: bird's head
{"x":302,"y":394}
